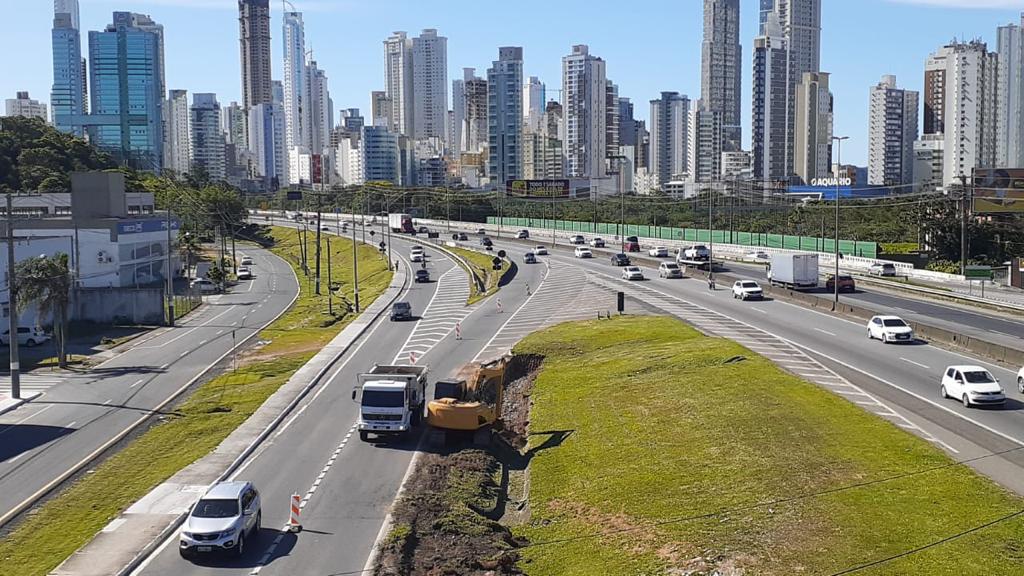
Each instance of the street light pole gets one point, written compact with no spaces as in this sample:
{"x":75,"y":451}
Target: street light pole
{"x":12,"y":315}
{"x":355,"y":261}
{"x":839,"y":162}
{"x":711,"y":236}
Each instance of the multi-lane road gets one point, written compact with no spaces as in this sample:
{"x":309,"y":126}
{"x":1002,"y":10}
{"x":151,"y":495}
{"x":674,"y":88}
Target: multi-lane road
{"x":347,"y":486}
{"x":77,"y":418}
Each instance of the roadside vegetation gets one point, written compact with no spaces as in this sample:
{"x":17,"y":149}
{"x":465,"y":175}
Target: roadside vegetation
{"x":656,"y":450}
{"x":66,"y":522}
{"x":481,"y":265}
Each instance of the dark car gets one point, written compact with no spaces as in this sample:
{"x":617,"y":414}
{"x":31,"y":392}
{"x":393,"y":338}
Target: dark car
{"x":632,"y":244}
{"x":463,"y":237}
{"x":846,"y":283}
{"x":481,"y":231}
{"x":422,"y":276}
{"x":529,"y":258}
{"x":523,"y":234}
{"x":485,"y":241}
{"x":620,"y":260}
{"x":424,"y":230}
{"x":401,"y":311}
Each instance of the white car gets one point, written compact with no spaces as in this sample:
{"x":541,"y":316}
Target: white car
{"x":325,"y":228}
{"x":670,"y":270}
{"x":577,"y":240}
{"x":972,"y":385}
{"x":540,"y":251}
{"x":583,"y":252}
{"x":204,"y":285}
{"x":28,"y":337}
{"x":890,"y":329}
{"x":1020,"y":380}
{"x":597,"y":243}
{"x":658,"y":252}
{"x":244,"y":273}
{"x":247,"y":261}
{"x":417,"y":254}
{"x":632,"y":273}
{"x":222,"y":520}
{"x":747,"y":289}
{"x":758,"y":255}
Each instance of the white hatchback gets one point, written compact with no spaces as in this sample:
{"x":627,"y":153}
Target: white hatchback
{"x":890,"y":329}
{"x":540,"y":251}
{"x":658,"y":252}
{"x":632,"y":273}
{"x":972,"y":385}
{"x":583,"y":252}
{"x":1020,"y":380}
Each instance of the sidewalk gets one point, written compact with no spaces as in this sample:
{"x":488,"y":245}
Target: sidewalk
{"x":130,"y":538}
{"x":7,"y":403}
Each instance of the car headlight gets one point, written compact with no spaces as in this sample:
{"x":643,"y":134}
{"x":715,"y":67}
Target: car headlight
{"x":186,"y":535}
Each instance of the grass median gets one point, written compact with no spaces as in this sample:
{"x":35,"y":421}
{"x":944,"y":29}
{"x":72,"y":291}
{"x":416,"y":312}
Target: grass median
{"x":64,"y":523}
{"x":482,"y":265}
{"x":656,"y":450}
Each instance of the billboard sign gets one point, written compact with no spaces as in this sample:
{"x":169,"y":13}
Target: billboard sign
{"x":538,"y":188}
{"x":998,"y":190}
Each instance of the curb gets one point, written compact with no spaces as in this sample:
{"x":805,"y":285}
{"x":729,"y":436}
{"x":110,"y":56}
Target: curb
{"x":397,"y":288}
{"x":15,"y":404}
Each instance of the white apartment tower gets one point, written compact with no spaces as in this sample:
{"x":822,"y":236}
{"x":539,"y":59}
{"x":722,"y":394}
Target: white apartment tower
{"x":321,"y":110}
{"x":670,"y":134}
{"x":705,"y":145}
{"x":22,"y":105}
{"x":207,"y":139}
{"x":430,"y":85}
{"x":970,"y":110}
{"x":398,"y":82}
{"x":1010,"y":98}
{"x":892,"y":130}
{"x":813,"y":129}
{"x":584,"y":85}
{"x":296,"y":82}
{"x":177,"y":133}
{"x":533,"y":103}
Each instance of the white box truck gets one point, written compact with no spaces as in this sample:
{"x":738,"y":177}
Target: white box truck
{"x":401,"y":223}
{"x":795,"y":271}
{"x":390,"y":400}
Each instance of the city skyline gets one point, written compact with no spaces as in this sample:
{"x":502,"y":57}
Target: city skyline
{"x":356,"y":65}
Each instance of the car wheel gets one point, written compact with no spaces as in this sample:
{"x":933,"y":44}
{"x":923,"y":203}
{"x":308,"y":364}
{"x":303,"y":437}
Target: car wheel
{"x":1020,"y":384}
{"x":870,"y":336}
{"x":30,"y":343}
{"x":259,"y":523}
{"x":966,"y":401}
{"x":942,"y":390}
{"x":364,"y":435}
{"x":240,"y":547}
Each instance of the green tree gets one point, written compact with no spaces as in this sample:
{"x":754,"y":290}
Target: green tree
{"x":45,"y":281}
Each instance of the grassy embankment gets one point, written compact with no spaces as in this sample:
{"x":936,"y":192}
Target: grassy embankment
{"x":201,"y":422}
{"x":481,"y":264}
{"x":661,"y":455}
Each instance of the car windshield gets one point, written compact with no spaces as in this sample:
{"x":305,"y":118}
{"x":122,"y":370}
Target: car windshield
{"x":978,"y":377}
{"x":894,"y":322}
{"x":383,"y":399}
{"x":671,"y":266}
{"x":403,"y":306}
{"x":750,"y":285}
{"x":211,"y":508}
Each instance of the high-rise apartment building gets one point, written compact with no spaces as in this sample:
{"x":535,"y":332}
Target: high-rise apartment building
{"x":892,"y":130}
{"x":268,"y":133}
{"x":928,"y":161}
{"x":398,"y":82}
{"x":207,"y":137}
{"x":935,"y":92}
{"x":584,"y":92}
{"x":381,"y":161}
{"x":705,"y":144}
{"x":505,"y":116}
{"x":475,"y":126}
{"x":177,"y":133}
{"x":670,"y":134}
{"x":297,"y":109}
{"x":1010,"y":98}
{"x":22,"y":105}
{"x":611,"y":119}
{"x":430,"y":85}
{"x":67,"y":96}
{"x":813,"y":137}
{"x":126,"y":119}
{"x":533,"y":103}
{"x":380,"y":108}
{"x":722,"y":67}
{"x":771,"y":113}
{"x":970,"y":110}
{"x":321,"y":110}
{"x":254,"y":35}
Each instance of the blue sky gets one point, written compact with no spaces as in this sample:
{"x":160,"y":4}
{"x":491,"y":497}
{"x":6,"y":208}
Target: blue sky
{"x":650,"y":45}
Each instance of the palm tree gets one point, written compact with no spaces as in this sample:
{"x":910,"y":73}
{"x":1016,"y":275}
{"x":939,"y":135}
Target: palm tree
{"x":46,"y":282}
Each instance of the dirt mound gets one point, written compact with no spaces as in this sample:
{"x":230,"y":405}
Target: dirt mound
{"x":444,"y":526}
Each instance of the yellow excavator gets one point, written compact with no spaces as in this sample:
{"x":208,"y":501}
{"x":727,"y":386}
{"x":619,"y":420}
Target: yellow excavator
{"x":471,"y":401}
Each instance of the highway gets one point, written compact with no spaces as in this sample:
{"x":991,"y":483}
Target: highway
{"x":48,"y":439}
{"x":349,"y":485}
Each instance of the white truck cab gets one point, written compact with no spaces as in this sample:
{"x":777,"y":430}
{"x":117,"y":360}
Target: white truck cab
{"x":391,"y":400}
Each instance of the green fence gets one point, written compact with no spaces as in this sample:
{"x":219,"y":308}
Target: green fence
{"x":786,"y":241}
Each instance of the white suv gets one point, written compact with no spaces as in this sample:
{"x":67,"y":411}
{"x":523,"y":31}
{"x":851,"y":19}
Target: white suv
{"x":972,"y":385}
{"x":26,"y":337}
{"x":583,"y":252}
{"x":670,"y":270}
{"x":222,"y":520}
{"x":746,"y":289}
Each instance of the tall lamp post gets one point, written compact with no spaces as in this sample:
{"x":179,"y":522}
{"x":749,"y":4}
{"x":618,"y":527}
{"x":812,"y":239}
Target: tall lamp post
{"x":839,"y":162}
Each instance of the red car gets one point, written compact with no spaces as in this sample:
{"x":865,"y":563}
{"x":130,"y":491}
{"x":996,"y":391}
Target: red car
{"x":632,"y":244}
{"x":846,"y":283}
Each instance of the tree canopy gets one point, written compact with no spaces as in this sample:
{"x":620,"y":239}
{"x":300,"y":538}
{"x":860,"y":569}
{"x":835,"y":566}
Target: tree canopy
{"x":35,"y":157}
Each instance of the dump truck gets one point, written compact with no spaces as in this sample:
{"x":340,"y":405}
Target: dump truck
{"x":471,"y":402}
{"x":390,"y":399}
{"x":794,"y":270}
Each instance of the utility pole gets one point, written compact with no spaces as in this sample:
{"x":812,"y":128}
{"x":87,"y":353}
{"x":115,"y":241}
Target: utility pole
{"x":355,"y":261}
{"x":318,"y":226}
{"x":330,"y":290}
{"x":170,"y":272}
{"x":711,"y":236}
{"x":839,"y":162}
{"x":12,"y":294}
{"x":963,"y":226}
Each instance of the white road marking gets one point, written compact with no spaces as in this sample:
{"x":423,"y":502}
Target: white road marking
{"x":915,"y":363}
{"x":825,"y":332}
{"x":137,"y":382}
